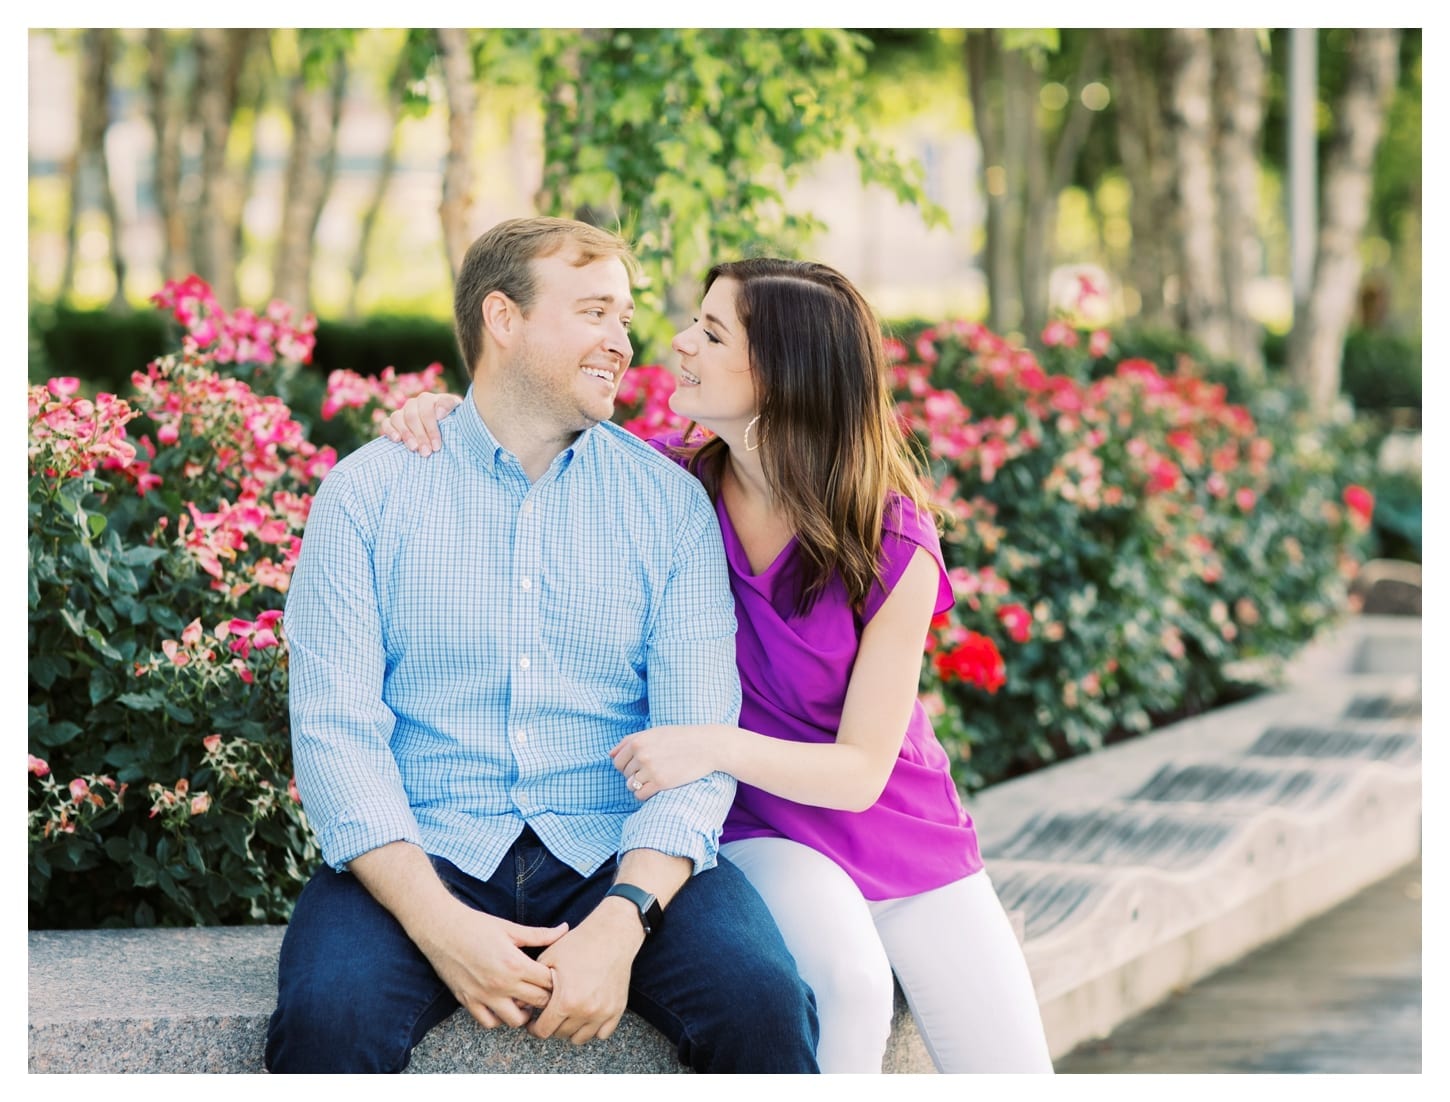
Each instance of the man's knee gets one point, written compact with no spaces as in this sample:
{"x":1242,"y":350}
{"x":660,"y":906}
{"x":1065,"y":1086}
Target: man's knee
{"x":325,"y":1023}
{"x":353,"y":994}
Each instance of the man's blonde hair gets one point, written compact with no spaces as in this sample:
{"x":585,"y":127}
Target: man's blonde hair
{"x":500,"y":260}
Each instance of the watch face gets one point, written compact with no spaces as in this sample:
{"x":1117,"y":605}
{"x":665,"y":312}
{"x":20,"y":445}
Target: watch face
{"x":650,"y":912}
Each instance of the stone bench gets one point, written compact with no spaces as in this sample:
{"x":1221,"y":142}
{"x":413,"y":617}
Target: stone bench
{"x":198,"y":1000}
{"x":1133,"y":871}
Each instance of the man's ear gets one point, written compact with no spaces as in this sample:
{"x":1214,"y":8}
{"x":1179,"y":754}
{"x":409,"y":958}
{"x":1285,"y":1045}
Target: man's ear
{"x":501,"y":318}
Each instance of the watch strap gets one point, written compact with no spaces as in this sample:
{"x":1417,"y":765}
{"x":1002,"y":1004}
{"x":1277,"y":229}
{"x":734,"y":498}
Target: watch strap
{"x":651,"y":914}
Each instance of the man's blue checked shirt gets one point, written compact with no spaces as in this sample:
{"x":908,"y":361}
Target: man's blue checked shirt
{"x":465,"y":649}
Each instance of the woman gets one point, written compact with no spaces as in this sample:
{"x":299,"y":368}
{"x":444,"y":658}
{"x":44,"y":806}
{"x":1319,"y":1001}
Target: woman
{"x":846,"y":818}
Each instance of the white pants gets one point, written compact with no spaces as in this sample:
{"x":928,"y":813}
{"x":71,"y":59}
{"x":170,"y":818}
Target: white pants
{"x":952,"y":948}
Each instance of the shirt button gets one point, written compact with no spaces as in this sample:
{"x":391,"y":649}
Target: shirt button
{"x":528,"y":507}
{"x":524,"y":662}
{"x":521,"y":736}
{"x":527,"y":584}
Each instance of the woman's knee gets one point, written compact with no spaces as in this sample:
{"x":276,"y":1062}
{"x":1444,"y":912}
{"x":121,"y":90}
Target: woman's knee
{"x":862,"y":988}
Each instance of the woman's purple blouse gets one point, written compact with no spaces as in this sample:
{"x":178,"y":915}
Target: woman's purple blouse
{"x":794,"y":672}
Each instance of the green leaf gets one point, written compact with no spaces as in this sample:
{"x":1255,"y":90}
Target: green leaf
{"x":98,"y":565}
{"x":191,"y":856}
{"x":45,"y":668}
{"x":102,"y":684}
{"x":75,"y":852}
{"x":179,"y":712}
{"x":120,"y":754}
{"x":57,"y":734}
{"x":74,"y":620}
{"x":69,"y":505}
{"x":236,"y":834}
{"x":141,"y":702}
{"x":166,"y":617}
{"x":97,"y":640}
{"x":96,"y":522}
{"x":142,"y":555}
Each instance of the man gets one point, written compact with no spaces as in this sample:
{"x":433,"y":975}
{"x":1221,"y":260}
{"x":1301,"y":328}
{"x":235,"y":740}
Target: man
{"x":469,"y":636}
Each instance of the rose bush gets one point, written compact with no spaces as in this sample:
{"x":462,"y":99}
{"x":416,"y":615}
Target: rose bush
{"x":1137,"y":546}
{"x":162,"y":532}
{"x":1121,"y":538}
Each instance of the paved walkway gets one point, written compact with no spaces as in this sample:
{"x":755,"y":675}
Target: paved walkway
{"x":1340,"y":994}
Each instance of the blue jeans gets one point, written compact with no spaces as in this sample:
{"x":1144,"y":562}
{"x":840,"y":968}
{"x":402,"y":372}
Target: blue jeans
{"x":355,"y":994}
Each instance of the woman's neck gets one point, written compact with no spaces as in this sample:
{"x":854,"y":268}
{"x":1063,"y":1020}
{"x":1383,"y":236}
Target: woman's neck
{"x":745,"y":470}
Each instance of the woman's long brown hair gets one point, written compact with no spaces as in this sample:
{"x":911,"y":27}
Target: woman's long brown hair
{"x":830,"y":442}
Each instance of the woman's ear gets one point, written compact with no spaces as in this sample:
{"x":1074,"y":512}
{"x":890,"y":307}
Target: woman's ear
{"x":500,"y":317}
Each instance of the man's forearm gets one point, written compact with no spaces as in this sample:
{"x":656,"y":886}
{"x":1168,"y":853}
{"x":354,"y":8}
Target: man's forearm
{"x":401,"y":878}
{"x":660,"y":874}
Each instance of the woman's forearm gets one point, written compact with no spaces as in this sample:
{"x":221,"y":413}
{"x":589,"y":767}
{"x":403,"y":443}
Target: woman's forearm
{"x":830,"y":774}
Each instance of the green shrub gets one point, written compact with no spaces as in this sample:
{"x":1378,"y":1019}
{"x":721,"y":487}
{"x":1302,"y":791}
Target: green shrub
{"x":407,"y":344}
{"x":1125,"y":540}
{"x":156,"y":679}
{"x":1398,"y":516}
{"x":163,"y":529}
{"x":1380,"y":371}
{"x":100,"y":348}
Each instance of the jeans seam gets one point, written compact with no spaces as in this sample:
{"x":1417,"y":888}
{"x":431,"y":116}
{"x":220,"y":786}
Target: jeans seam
{"x":638,"y":995}
{"x":523,"y":876}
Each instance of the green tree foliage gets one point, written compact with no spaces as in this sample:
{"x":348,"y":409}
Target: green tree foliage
{"x":688,"y":139}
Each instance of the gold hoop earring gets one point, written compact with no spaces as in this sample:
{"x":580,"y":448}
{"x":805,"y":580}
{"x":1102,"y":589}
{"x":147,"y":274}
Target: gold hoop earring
{"x":748,"y":445}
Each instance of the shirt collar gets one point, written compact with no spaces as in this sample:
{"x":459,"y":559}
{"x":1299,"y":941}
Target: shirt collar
{"x":485,"y":448}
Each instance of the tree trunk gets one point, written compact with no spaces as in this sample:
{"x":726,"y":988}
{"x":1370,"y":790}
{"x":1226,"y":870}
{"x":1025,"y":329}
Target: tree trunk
{"x":315,"y":113}
{"x":254,"y":94}
{"x":462,"y":95}
{"x":106,"y":41}
{"x":1003,"y":308}
{"x":1200,"y":287}
{"x":1049,"y":172}
{"x":220,"y":54}
{"x":1141,"y":140}
{"x":1317,"y":342}
{"x":166,"y":122}
{"x":1239,"y":74}
{"x":90,"y":162}
{"x":388,"y":163}
{"x":1035,"y":203}
{"x":337,"y":97}
{"x":1302,"y":172}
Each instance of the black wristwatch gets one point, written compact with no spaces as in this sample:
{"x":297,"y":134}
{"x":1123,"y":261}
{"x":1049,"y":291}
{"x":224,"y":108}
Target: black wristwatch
{"x":651,"y":914}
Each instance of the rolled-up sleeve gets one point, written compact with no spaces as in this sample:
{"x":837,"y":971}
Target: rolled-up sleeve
{"x":351,"y":787}
{"x":692,"y":679}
